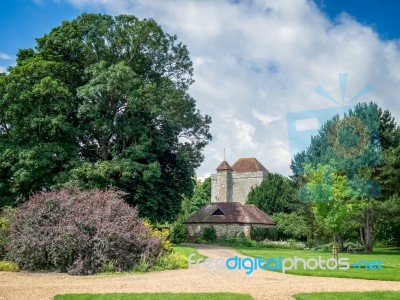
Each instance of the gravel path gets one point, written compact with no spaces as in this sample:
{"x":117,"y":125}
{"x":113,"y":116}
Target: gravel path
{"x":260,"y":284}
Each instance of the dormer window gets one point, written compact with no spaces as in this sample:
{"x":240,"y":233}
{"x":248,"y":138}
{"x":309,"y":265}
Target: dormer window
{"x":218,"y":212}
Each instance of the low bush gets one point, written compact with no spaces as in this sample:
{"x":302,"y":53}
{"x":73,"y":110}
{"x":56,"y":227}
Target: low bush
{"x":290,"y":226}
{"x":171,"y":261}
{"x":242,"y":241}
{"x":8,"y":266}
{"x":209,"y":234}
{"x":260,"y":234}
{"x":6,"y":217}
{"x":289,"y":244}
{"x":353,"y":247}
{"x":236,"y":241}
{"x":160,"y":233}
{"x":80,"y":232}
{"x":178,"y":233}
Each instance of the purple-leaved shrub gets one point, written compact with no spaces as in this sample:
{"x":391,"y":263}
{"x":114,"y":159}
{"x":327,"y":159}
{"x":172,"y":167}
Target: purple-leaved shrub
{"x":80,"y":232}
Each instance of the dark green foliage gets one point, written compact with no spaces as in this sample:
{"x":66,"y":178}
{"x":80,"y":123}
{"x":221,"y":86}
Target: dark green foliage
{"x":236,"y":241}
{"x":290,"y":225}
{"x":387,"y":227}
{"x":209,"y":234}
{"x":102,"y":101}
{"x":272,"y":234}
{"x":275,"y":194}
{"x":372,"y":175}
{"x":79,"y":233}
{"x":201,"y":196}
{"x":258,"y":233}
{"x":178,"y":233}
{"x":326,"y":145}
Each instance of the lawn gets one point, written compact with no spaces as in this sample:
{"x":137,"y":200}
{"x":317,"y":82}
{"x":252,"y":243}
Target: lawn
{"x":389,"y":256}
{"x":349,"y":296}
{"x":186,"y":250}
{"x":155,"y":296}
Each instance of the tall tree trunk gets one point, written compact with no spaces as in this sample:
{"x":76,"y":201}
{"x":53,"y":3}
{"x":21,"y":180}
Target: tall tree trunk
{"x":369,"y":236}
{"x":366,"y":233}
{"x":335,"y":249}
{"x":362,"y":236}
{"x":339,"y":241}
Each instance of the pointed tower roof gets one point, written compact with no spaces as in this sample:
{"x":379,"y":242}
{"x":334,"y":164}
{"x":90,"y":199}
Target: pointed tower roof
{"x":224,"y":166}
{"x":248,"y":164}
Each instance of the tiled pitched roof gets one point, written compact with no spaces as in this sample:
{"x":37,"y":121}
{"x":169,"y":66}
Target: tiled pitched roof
{"x":249,"y":164}
{"x":224,"y":166}
{"x":233,"y":212}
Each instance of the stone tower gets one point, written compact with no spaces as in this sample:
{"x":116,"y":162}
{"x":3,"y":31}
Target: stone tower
{"x":224,"y":185}
{"x":232,"y":184}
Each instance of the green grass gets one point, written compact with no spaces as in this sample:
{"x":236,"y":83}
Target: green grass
{"x":155,"y":296}
{"x":349,"y":296}
{"x":389,"y":256}
{"x":186,"y":250}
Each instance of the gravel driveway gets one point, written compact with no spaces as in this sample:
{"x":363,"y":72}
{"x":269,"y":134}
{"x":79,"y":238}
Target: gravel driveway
{"x":260,"y":284}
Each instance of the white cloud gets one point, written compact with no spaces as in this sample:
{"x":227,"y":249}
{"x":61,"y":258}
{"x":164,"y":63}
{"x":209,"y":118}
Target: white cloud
{"x":3,"y":69}
{"x":244,"y":134}
{"x":256,"y":61}
{"x":265,"y":119}
{"x":5,"y":56}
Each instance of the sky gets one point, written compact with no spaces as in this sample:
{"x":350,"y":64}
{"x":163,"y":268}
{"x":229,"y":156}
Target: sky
{"x":266,"y":71}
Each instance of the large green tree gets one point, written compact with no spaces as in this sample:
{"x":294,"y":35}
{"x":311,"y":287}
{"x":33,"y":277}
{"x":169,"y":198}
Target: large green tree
{"x":275,"y":194}
{"x":201,"y":196}
{"x":363,"y":145}
{"x":328,"y":191}
{"x":102,"y":101}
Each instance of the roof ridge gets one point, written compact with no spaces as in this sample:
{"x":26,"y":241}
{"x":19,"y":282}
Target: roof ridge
{"x":248,"y":164}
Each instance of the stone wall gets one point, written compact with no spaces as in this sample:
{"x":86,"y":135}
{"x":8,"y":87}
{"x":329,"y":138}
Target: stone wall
{"x":195,"y":230}
{"x":213,"y":187}
{"x":242,"y":184}
{"x":227,"y":186}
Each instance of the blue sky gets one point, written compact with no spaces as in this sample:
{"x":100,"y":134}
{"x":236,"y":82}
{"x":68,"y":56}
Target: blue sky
{"x":255,"y":61}
{"x":22,"y":21}
{"x":382,"y":15}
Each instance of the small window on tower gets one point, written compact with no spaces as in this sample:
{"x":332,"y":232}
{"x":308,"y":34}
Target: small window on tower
{"x":218,"y":212}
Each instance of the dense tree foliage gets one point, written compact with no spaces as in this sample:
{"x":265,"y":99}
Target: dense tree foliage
{"x":387,"y":226}
{"x":201,"y":196}
{"x":329,"y":193}
{"x":360,"y":150}
{"x":290,"y":225}
{"x":275,"y":194}
{"x":102,"y":101}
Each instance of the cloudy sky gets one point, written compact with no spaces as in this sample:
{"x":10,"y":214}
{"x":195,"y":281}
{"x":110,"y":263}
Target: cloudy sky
{"x":255,"y":61}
